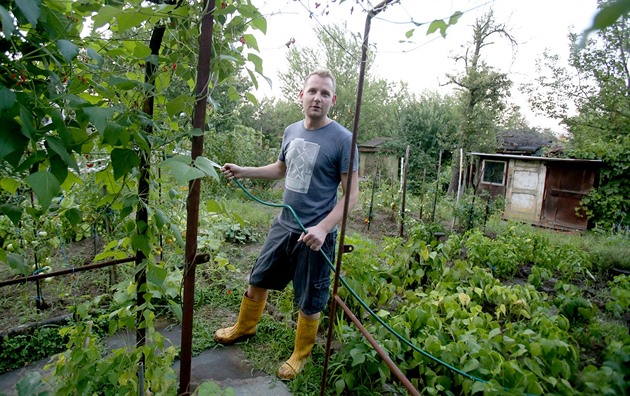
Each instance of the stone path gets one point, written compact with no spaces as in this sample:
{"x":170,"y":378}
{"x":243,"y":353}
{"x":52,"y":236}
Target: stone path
{"x":226,"y":366}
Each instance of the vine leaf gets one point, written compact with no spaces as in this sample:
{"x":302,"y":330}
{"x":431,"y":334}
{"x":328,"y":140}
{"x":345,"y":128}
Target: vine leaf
{"x":68,"y":49}
{"x":56,"y":145}
{"x":207,"y":166}
{"x":13,"y":212}
{"x":9,"y":185}
{"x":31,"y":10}
{"x":16,"y":262}
{"x":180,"y":168}
{"x":74,"y":215}
{"x":7,"y":22}
{"x":123,"y":161}
{"x":7,"y":98}
{"x":45,"y":186}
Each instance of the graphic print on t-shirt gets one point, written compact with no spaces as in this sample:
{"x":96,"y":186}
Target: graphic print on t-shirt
{"x":300,"y":160}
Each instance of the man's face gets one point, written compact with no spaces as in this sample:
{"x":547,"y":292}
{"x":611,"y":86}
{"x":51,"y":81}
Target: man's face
{"x":317,"y":97}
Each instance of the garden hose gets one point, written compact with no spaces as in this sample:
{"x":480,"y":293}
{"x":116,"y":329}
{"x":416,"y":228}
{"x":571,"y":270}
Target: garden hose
{"x":354,"y":294}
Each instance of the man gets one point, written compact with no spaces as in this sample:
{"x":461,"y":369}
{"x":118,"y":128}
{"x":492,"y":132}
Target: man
{"x":314,"y":160}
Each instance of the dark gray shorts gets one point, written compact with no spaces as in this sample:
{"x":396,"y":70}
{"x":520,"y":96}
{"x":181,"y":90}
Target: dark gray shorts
{"x":283,"y":259}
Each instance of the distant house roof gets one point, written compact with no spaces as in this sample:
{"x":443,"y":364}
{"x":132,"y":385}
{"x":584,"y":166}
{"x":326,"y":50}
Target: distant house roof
{"x":536,"y":158}
{"x":522,"y":141}
{"x":374,"y":145}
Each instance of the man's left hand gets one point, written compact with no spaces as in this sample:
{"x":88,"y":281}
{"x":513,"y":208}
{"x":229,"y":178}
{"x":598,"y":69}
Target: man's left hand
{"x":314,"y":238}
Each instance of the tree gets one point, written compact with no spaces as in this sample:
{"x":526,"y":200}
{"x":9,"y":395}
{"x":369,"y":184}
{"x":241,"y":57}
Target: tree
{"x":426,"y":125}
{"x":481,"y":91}
{"x":597,"y":85}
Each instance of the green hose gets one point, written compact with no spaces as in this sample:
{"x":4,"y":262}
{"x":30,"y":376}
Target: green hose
{"x":354,"y":294}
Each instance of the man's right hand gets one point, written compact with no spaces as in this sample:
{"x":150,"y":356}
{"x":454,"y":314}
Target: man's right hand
{"x":231,"y":171}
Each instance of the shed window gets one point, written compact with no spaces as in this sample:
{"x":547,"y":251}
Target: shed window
{"x":493,"y":172}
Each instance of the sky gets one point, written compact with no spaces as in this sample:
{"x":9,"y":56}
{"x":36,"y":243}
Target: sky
{"x":423,"y":61}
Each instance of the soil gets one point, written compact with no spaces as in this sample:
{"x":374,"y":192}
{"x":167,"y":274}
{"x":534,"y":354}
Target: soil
{"x":47,"y":301}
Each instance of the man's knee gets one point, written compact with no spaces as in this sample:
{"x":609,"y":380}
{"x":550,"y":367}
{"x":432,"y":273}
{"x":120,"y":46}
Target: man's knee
{"x":257,"y":293}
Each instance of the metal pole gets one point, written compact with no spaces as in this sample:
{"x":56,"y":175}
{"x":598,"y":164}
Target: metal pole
{"x":65,"y":271}
{"x":404,"y":193}
{"x":355,"y":131}
{"x":437,"y":187}
{"x":194,"y":191}
{"x":424,"y":175}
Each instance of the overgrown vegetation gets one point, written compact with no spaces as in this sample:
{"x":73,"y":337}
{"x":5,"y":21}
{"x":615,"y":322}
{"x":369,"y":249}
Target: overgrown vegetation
{"x":525,"y":309}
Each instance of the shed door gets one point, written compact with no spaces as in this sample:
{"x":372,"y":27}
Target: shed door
{"x":524,"y":195}
{"x":565,"y":187}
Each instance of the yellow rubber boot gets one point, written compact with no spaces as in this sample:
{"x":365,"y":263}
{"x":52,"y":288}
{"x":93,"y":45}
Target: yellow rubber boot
{"x":305,"y":337}
{"x":245,"y":326}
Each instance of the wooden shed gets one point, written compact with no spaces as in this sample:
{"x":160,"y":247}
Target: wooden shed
{"x":538,"y":190}
{"x":376,"y":158}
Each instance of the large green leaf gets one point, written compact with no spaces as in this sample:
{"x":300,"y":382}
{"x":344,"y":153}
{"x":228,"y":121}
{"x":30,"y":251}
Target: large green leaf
{"x":156,"y":275}
{"x":142,"y":243}
{"x":161,"y":218}
{"x":99,"y":116}
{"x":130,"y":19}
{"x":437,"y":25}
{"x":45,"y":186}
{"x":105,"y":15}
{"x":95,"y":56}
{"x":16,"y":262}
{"x":123,"y":161}
{"x":177,"y":105}
{"x":610,"y":13}
{"x":56,"y":145}
{"x":7,"y":98}
{"x":28,"y":123}
{"x":13,"y":212}
{"x":123,"y":82}
{"x":12,"y":141}
{"x":207,"y":167}
{"x":9,"y":185}
{"x":68,"y":49}
{"x":7,"y":22}
{"x":74,"y":215}
{"x":180,"y":168}
{"x":58,"y":168}
{"x":260,"y":24}
{"x":31,"y":10}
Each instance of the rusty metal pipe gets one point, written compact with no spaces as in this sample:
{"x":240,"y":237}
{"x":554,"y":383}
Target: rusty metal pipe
{"x":342,"y":233}
{"x":194,"y":192}
{"x":66,"y":271}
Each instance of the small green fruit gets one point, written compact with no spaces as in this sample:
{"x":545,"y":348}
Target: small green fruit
{"x":42,"y":234}
{"x":10,"y":247}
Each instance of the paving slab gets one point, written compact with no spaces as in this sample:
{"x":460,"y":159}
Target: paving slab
{"x":225,"y":366}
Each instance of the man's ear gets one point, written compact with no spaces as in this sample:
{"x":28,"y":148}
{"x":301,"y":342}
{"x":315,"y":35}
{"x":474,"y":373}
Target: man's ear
{"x":301,"y":94}
{"x":334,"y":99}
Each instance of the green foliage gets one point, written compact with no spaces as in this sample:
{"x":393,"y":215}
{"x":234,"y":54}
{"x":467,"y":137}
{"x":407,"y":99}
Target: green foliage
{"x":19,"y":350}
{"x":619,"y":303}
{"x":512,"y":335}
{"x":596,"y":85}
{"x":427,"y":126}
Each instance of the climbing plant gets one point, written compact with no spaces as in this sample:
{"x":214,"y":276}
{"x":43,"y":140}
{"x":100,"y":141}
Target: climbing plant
{"x":75,"y":81}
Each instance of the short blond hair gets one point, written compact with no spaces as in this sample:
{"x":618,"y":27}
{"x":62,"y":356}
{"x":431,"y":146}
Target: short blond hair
{"x":323,"y":73}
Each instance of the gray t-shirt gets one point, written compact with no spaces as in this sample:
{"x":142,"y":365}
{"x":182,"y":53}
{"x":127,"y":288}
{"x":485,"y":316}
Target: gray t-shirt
{"x":315,"y":161}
